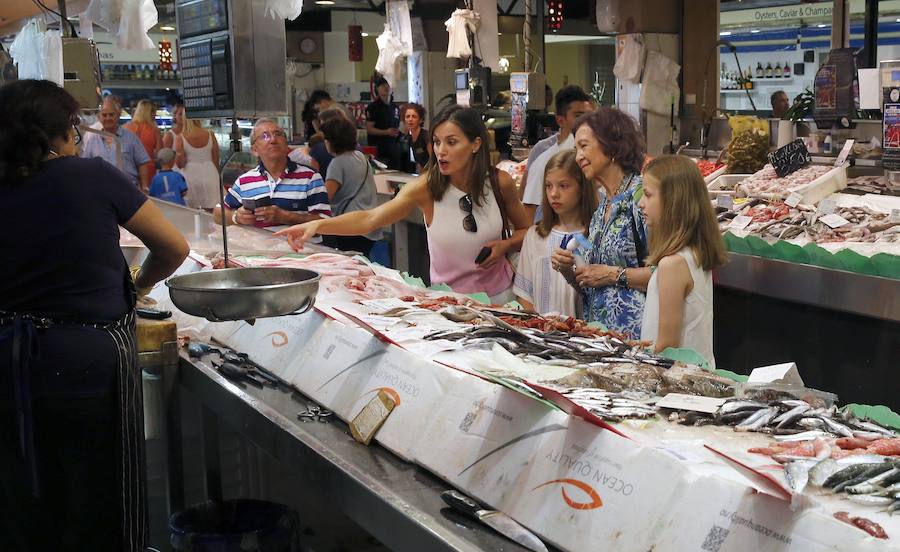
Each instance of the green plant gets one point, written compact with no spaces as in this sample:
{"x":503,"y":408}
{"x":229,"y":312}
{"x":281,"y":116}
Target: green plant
{"x":802,"y":107}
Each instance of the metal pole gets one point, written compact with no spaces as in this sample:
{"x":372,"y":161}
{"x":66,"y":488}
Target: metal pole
{"x":870,"y":46}
{"x":63,"y":19}
{"x":526,"y":35}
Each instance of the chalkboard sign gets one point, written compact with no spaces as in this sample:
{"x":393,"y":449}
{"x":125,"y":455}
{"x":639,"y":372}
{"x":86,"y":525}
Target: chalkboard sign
{"x":790,"y":158}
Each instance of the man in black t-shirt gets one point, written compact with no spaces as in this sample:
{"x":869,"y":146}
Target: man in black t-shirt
{"x":383,"y":126}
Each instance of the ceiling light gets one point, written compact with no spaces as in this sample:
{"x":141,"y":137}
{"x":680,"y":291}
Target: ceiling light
{"x":167,"y":28}
{"x":325,"y":2}
{"x":365,"y":34}
{"x":725,"y":33}
{"x":754,"y":31}
{"x":821,"y":25}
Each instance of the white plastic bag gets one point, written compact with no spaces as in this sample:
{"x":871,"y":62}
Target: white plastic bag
{"x":128,"y":20}
{"x":390,"y":49}
{"x":284,"y":9}
{"x":629,"y":58}
{"x":459,"y":22}
{"x":397,"y":14}
{"x":37,"y":54}
{"x":659,"y":89}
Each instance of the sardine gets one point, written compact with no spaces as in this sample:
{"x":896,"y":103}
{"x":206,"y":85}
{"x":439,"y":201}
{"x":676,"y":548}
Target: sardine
{"x":819,"y":473}
{"x":812,"y":423}
{"x":758,"y":419}
{"x":804,"y":436}
{"x":871,"y":500}
{"x":869,"y":426}
{"x":791,"y":415}
{"x":735,"y":417}
{"x":893,"y":507}
{"x":739,"y":406}
{"x":850,"y":472}
{"x":866,"y":474}
{"x":797,"y":474}
{"x":837,"y":428}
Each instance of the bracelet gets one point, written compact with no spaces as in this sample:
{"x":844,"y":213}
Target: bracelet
{"x":622,"y":278}
{"x":234,"y":217}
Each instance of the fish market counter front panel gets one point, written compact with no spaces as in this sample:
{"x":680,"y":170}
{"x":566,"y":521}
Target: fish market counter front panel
{"x":576,"y":484}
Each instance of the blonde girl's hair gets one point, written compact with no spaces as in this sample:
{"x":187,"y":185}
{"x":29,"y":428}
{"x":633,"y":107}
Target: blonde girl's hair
{"x":144,"y":113}
{"x":686,"y":214}
{"x":565,"y":161}
{"x":190,"y":125}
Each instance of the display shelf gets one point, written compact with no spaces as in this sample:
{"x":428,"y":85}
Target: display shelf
{"x":769,"y":80}
{"x":137,"y":84}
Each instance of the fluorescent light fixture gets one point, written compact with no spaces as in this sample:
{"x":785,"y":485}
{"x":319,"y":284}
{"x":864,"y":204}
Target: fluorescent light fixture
{"x":365,"y":34}
{"x":725,"y":33}
{"x":754,"y":31}
{"x":325,"y":2}
{"x":167,"y":28}
{"x":821,"y":25}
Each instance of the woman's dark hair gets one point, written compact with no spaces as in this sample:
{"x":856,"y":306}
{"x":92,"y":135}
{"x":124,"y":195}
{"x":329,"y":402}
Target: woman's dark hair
{"x":340,"y":133}
{"x":379,"y":81}
{"x":34,"y":113}
{"x":469,"y":121}
{"x":415,"y":107}
{"x":619,"y":136}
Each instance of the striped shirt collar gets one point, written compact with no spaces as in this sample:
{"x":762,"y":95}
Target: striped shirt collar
{"x":290,"y":168}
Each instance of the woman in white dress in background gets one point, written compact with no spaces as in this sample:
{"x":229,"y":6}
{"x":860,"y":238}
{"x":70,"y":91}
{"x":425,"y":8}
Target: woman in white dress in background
{"x":198,"y":158}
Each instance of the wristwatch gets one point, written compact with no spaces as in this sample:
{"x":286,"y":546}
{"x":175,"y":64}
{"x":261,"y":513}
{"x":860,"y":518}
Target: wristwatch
{"x":622,"y":278}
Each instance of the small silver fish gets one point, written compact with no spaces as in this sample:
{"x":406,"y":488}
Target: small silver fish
{"x":804,"y":436}
{"x":893,"y":507}
{"x":797,"y":474}
{"x":791,"y":415}
{"x":811,"y":423}
{"x":758,"y":419}
{"x":837,"y":428}
{"x":871,"y":500}
{"x":823,"y":470}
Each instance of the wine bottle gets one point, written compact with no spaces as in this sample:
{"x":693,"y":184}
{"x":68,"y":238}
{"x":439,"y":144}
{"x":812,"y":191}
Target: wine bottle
{"x":759,"y":70}
{"x":778,"y":70}
{"x":787,"y":70}
{"x":769,"y":72}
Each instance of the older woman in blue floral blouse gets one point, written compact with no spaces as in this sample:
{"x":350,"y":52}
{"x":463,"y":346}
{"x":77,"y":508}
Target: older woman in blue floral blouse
{"x":610,"y":151}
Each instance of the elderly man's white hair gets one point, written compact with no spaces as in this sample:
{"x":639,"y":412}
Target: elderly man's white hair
{"x":260,"y":122}
{"x":112,"y":102}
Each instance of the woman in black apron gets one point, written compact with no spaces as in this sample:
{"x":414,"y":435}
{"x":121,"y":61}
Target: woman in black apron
{"x":71,"y":414}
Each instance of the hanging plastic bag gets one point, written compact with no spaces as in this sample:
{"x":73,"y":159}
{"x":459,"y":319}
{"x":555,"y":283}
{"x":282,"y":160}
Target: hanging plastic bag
{"x":128,"y":20}
{"x":284,"y":9}
{"x":629,"y":58}
{"x":397,"y":14}
{"x":390,"y":49}
{"x":457,"y":26}
{"x":659,"y":89}
{"x":27,"y":49}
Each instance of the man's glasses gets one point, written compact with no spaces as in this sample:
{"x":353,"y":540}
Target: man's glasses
{"x":76,"y":120}
{"x":469,"y":224}
{"x":268,"y":136}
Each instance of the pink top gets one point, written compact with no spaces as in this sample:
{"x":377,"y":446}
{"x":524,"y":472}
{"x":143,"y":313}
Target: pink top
{"x":453,"y":249}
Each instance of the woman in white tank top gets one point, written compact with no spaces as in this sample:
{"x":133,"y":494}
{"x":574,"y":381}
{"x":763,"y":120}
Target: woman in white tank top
{"x":462,"y":203}
{"x":685,"y":246}
{"x":198,"y":159}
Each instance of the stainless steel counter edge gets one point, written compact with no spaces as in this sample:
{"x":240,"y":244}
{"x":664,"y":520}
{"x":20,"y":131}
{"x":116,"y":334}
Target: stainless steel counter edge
{"x":395,"y":501}
{"x":827,"y":288}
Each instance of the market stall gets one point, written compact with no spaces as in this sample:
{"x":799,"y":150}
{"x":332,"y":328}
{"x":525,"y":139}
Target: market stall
{"x":556,"y":424}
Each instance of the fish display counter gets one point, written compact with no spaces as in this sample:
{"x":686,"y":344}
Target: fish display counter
{"x":565,"y":428}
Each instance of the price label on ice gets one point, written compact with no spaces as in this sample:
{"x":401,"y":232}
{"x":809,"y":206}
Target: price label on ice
{"x":895,"y":216}
{"x":826,"y":206}
{"x":740,"y":222}
{"x":845,"y":151}
{"x":793,"y":200}
{"x":834,"y":220}
{"x":725,"y":201}
{"x":690,"y":402}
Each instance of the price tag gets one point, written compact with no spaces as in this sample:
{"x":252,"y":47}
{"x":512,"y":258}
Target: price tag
{"x":790,"y":158}
{"x":826,"y":206}
{"x":895,"y":216}
{"x":680,"y":401}
{"x":776,"y":373}
{"x":725,"y":201}
{"x":793,"y":200}
{"x":365,"y":424}
{"x":834,"y":220}
{"x":845,"y":151}
{"x":740,"y":222}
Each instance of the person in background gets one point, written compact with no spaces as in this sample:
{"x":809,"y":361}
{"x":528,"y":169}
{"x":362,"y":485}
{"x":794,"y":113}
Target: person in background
{"x":136,"y":164}
{"x":466,"y":205}
{"x":350,"y":183}
{"x":502,"y":100}
{"x":317,"y":149}
{"x":168,"y":185}
{"x":685,"y":247}
{"x":610,"y":150}
{"x":168,"y":139}
{"x":143,"y":124}
{"x":571,"y":103}
{"x":296,"y":193}
{"x":780,"y":104}
{"x":383,"y":126}
{"x":317,"y":101}
{"x":416,"y":143}
{"x":71,"y":413}
{"x":569,"y":202}
{"x":197,"y":155}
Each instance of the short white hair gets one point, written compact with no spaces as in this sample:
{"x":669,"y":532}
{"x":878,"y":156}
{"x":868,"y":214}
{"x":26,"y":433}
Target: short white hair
{"x":259,"y":122}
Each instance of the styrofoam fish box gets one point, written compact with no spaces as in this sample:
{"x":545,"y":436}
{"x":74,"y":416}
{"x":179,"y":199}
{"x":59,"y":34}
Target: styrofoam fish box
{"x":822,"y":187}
{"x":715,"y":174}
{"x":725,"y":184}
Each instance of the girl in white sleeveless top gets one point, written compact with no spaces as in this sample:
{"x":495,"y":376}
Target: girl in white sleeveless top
{"x":685,"y":246}
{"x":199,"y":165}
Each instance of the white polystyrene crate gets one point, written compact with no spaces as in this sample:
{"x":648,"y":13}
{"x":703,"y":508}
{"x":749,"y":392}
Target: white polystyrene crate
{"x":725,"y":184}
{"x":715,"y":174}
{"x":822,"y":187}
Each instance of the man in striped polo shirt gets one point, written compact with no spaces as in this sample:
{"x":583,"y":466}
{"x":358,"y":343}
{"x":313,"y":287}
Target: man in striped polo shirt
{"x":289,"y":193}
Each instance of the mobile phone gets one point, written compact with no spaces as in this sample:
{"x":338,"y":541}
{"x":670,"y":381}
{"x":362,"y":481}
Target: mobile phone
{"x":252,"y":203}
{"x":482,"y":255}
